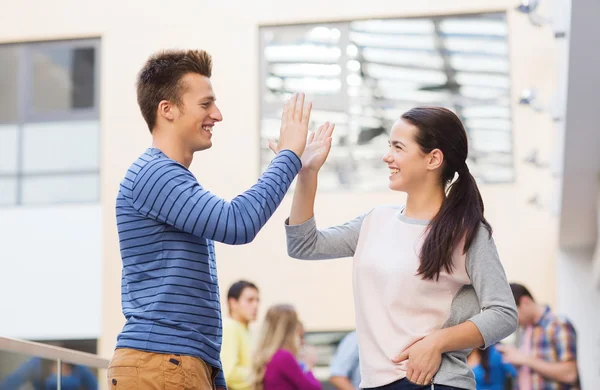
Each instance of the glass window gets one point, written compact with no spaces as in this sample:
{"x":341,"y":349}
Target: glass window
{"x":363,"y":75}
{"x":8,"y":191}
{"x":60,"y":189}
{"x":9,"y":76}
{"x":9,"y":146}
{"x":49,"y":123}
{"x":63,"y":78}
{"x":61,"y":146}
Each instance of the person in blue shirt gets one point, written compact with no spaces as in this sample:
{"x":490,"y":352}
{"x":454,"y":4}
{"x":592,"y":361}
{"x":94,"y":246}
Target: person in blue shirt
{"x":42,"y":376}
{"x":491,"y":373}
{"x":344,"y":368}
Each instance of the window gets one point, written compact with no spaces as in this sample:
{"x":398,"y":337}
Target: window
{"x":49,"y":123}
{"x":363,"y":75}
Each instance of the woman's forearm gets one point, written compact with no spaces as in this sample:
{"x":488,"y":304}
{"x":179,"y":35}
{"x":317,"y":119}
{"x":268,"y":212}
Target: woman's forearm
{"x":455,"y":338}
{"x":303,"y":204}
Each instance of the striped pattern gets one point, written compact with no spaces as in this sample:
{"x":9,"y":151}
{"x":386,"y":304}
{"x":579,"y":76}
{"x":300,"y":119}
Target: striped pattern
{"x":552,"y":339}
{"x":167,"y":223}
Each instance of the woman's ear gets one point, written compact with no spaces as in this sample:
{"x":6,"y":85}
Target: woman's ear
{"x":435,"y":159}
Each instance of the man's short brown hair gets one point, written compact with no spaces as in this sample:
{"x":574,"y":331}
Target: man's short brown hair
{"x":519,"y":291}
{"x":160,"y":78}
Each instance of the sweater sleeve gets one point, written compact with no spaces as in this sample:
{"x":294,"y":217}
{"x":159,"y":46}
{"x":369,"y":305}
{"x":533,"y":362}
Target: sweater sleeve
{"x":306,"y":242}
{"x":167,"y":192}
{"x":498,"y":317}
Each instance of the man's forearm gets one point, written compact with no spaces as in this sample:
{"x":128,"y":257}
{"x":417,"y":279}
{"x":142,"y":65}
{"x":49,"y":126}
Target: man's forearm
{"x":564,"y":372}
{"x":341,"y":383}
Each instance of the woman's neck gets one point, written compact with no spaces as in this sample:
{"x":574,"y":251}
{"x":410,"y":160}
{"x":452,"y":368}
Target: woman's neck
{"x":424,"y":205}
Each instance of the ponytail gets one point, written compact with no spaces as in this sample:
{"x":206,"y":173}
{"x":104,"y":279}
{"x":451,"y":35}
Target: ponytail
{"x":461,"y":212}
{"x":459,"y":218}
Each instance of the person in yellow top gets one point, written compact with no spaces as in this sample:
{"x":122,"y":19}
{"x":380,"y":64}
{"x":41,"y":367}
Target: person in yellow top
{"x":243,"y":300}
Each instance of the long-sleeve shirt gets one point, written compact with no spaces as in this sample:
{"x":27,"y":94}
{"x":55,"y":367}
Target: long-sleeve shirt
{"x":553,"y":339}
{"x":236,"y":355}
{"x":345,"y":362}
{"x":393,"y":302}
{"x":167,"y":225}
{"x":283,"y":372}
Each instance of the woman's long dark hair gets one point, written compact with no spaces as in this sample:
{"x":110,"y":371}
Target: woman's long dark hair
{"x":462,"y":209}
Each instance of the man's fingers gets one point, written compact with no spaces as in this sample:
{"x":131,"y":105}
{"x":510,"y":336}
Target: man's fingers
{"x":299,"y":107}
{"x":306,"y":113}
{"x":284,"y":112}
{"x":503,"y":348}
{"x":291,"y":107}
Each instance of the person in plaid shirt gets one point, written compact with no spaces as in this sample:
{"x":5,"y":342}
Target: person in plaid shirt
{"x":547,"y":357}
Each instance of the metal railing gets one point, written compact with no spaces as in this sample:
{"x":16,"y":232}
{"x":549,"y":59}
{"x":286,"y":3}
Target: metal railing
{"x":61,"y":355}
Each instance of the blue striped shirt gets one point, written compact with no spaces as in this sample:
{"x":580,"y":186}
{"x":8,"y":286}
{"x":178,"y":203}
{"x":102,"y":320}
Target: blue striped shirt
{"x":167,"y":225}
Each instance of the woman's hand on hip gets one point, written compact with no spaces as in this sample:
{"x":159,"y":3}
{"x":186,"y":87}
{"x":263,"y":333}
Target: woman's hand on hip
{"x":423,"y":358}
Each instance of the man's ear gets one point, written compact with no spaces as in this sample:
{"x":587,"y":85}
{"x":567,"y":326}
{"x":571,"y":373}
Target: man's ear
{"x":167,"y":110}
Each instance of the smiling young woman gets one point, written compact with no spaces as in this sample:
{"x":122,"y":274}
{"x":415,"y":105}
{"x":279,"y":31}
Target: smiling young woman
{"x":428,"y":283}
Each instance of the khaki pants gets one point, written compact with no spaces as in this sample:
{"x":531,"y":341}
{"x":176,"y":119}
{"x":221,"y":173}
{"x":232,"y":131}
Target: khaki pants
{"x":131,"y":369}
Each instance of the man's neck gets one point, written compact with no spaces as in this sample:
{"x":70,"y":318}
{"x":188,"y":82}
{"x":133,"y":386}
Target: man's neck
{"x":539,"y":313}
{"x":172,"y":149}
{"x":240,"y":320}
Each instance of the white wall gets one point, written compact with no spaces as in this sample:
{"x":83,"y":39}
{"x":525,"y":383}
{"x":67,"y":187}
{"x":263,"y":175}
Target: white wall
{"x":578,"y":262}
{"x":579,"y":301}
{"x":50,"y":275}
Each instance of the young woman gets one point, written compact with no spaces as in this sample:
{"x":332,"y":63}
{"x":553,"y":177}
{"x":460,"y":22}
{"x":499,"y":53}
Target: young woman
{"x":428,"y":284}
{"x":275,"y":362}
{"x":491,"y":373}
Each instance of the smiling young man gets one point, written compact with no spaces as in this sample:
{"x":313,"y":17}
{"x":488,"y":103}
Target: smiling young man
{"x":168,"y":222}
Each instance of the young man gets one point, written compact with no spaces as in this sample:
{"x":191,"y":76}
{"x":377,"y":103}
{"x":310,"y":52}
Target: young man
{"x":344,"y":368}
{"x":242,"y":300}
{"x":168,"y":222}
{"x":548,"y":351}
